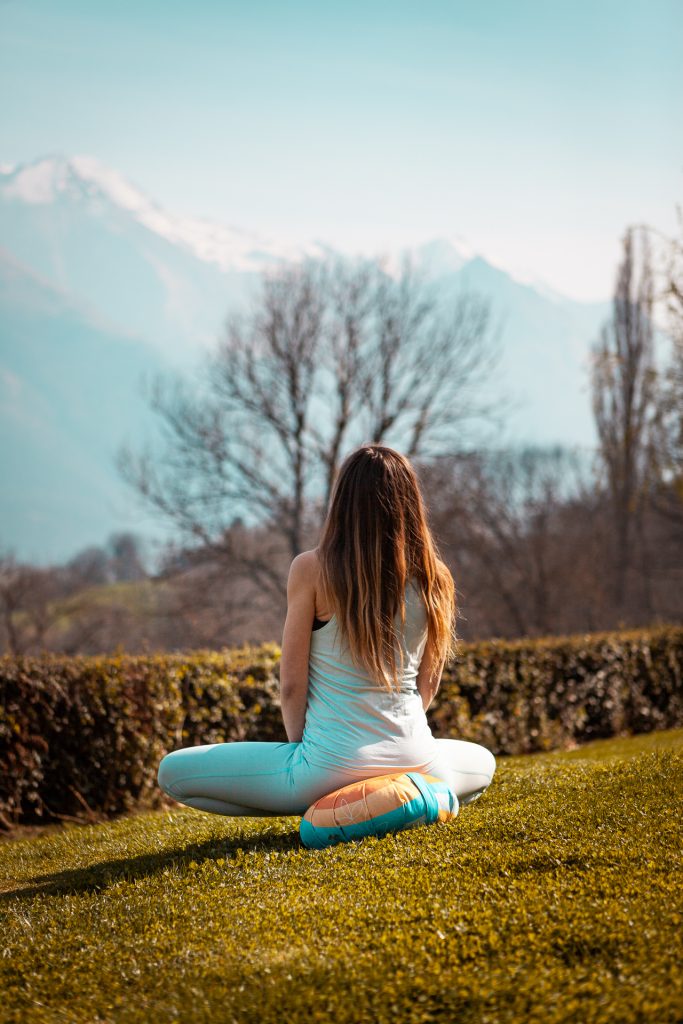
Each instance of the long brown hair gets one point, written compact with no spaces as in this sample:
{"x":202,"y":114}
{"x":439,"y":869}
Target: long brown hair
{"x":375,"y":537}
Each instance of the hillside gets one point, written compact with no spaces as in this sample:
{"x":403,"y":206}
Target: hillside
{"x":71,"y":391}
{"x":555,"y":897}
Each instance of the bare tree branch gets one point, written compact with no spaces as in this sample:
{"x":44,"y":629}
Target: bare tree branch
{"x":330,"y":355}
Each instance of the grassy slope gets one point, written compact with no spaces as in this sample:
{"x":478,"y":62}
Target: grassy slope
{"x":138,"y":597}
{"x":555,"y":897}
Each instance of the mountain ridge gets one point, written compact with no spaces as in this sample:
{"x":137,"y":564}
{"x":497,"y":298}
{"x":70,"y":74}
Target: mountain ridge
{"x":89,"y":260}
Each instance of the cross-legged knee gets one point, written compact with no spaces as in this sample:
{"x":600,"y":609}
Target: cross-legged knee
{"x":166,"y":774}
{"x":488,"y":763}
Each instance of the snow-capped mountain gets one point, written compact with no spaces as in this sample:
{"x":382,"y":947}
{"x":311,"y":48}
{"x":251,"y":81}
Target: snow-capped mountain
{"x":98,"y":239}
{"x":98,"y":283}
{"x":86,"y":181}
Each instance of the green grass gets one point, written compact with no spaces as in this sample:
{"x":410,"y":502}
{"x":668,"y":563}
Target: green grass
{"x":555,"y":897}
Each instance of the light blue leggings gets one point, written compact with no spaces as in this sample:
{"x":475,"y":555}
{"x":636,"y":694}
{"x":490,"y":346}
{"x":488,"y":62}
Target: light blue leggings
{"x":265,"y":779}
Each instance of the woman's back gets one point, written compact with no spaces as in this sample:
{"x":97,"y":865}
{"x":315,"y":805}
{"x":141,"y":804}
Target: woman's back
{"x":352,"y":722}
{"x":342,"y":723}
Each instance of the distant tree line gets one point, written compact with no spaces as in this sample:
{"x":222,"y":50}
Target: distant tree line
{"x":57,"y":607}
{"x":333,"y":354}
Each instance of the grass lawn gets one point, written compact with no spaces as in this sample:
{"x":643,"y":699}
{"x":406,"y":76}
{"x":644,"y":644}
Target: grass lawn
{"x":557,"y":896}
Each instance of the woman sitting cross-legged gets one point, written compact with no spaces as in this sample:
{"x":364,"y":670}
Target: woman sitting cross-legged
{"x":370,"y":624}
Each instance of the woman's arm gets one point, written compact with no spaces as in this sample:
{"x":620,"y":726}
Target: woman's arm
{"x":296,"y":645}
{"x":428,"y":680}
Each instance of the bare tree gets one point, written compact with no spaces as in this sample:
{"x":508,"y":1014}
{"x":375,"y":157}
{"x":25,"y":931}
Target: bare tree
{"x":330,"y":355}
{"x":121,"y":559}
{"x":127,"y":556}
{"x":70,"y":607}
{"x":512,"y":526}
{"x":661,"y":528}
{"x":17,"y":584}
{"x":93,"y":565}
{"x":672,"y":460}
{"x":29,"y":604}
{"x":625,"y":398}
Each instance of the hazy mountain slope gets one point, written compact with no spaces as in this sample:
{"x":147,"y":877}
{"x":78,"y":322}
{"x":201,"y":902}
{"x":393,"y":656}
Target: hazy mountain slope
{"x":75,"y":236}
{"x":99,"y":284}
{"x":544,"y":345}
{"x":70,"y":393}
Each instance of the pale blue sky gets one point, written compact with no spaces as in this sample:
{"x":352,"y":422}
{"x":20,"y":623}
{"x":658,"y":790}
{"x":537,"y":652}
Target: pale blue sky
{"x":535,"y":130}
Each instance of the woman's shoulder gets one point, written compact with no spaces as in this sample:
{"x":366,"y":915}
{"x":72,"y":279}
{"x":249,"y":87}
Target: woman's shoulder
{"x":306,"y":567}
{"x":307,"y":562}
{"x":309,"y":566}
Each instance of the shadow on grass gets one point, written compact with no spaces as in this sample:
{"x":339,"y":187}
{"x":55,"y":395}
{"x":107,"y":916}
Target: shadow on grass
{"x":96,"y":877}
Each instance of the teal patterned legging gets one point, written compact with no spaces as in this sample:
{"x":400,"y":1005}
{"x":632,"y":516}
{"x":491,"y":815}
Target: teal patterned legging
{"x":266,"y":778}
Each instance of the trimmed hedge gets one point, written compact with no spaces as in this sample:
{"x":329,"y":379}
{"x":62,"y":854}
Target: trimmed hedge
{"x":518,"y":697}
{"x":82,"y":737}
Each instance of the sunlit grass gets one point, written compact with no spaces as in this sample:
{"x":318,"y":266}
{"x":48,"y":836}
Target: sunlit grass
{"x":555,"y":897}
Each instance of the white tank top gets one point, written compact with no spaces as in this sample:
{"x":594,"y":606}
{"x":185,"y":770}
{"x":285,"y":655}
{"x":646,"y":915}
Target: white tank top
{"x":351,"y":721}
